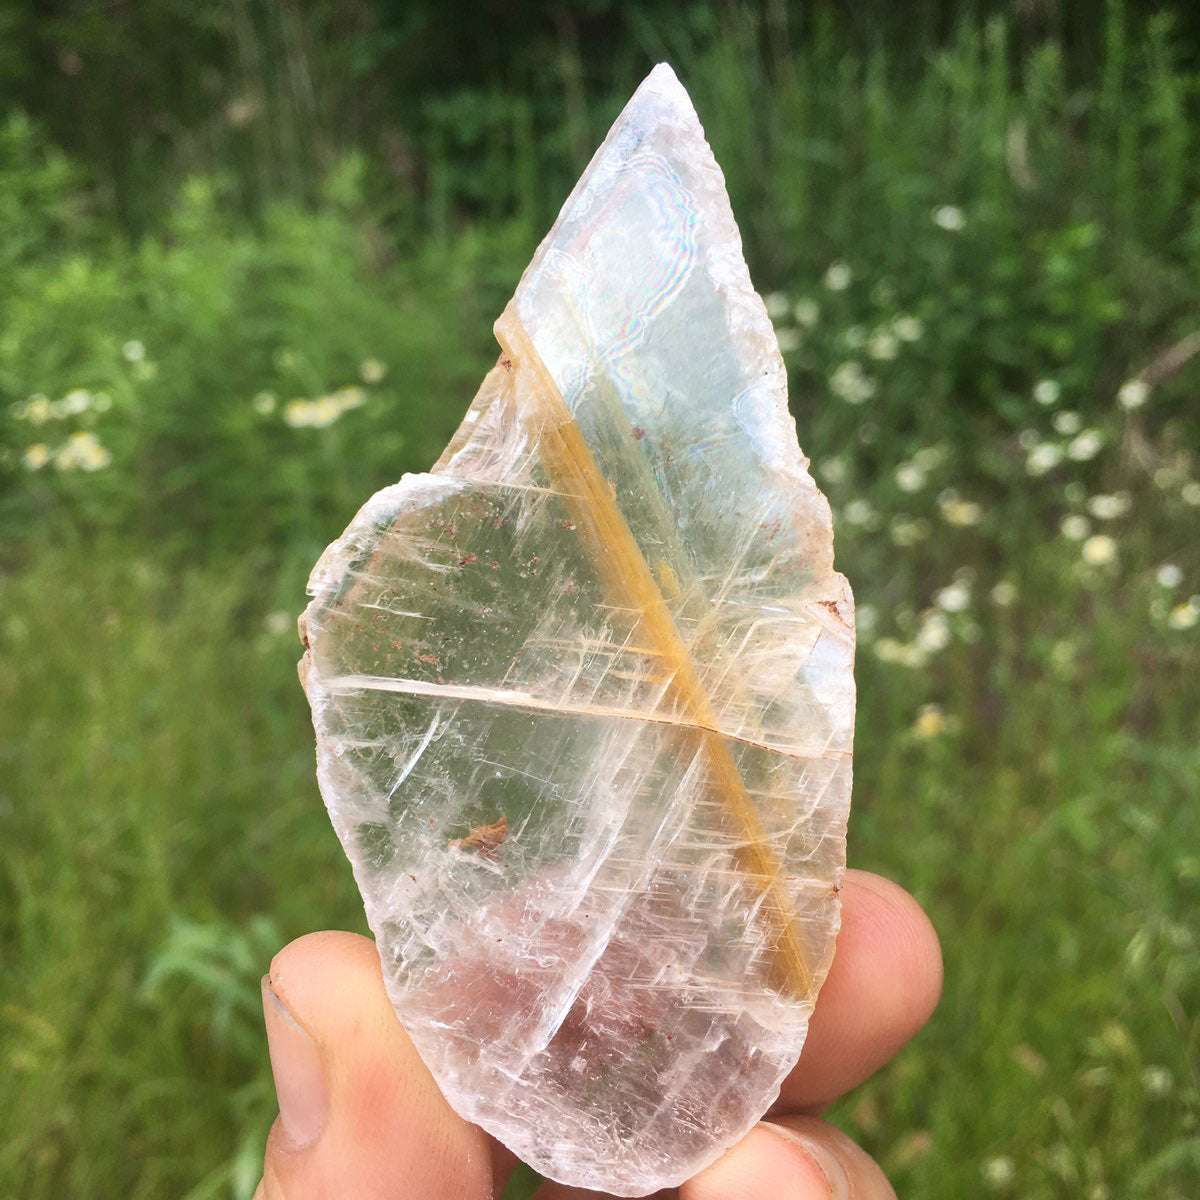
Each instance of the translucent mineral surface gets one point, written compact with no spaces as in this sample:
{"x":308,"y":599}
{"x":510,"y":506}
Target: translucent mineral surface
{"x":584,"y":701}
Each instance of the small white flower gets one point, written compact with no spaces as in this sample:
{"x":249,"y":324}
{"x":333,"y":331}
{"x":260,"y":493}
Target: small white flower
{"x":1004,"y":593}
{"x":240,"y":111}
{"x":279,"y":622}
{"x":806,"y":311}
{"x":133,"y":351}
{"x":909,"y":477}
{"x":888,"y":649}
{"x":1190,"y":493}
{"x":838,"y":277}
{"x":883,"y":345}
{"x":788,"y":339}
{"x":1047,"y":391}
{"x":834,"y":470}
{"x":1168,"y":576}
{"x":1075,"y":526}
{"x":77,"y":401}
{"x":956,"y":511}
{"x":1133,"y":394}
{"x":931,"y":721}
{"x":1108,"y":508}
{"x":859,"y":512}
{"x":264,"y":403}
{"x":91,"y":455}
{"x":36,"y":456}
{"x":908,"y":328}
{"x":1099,"y":550}
{"x":323,"y":411}
{"x":933,"y":634}
{"x":298,"y":414}
{"x":949,"y":217}
{"x":1158,"y":1081}
{"x":999,"y":1172}
{"x":347,"y":398}
{"x":38,"y":410}
{"x":1086,"y":445}
{"x":82,"y":451}
{"x":372,"y":370}
{"x":930,"y":457}
{"x":777,"y":305}
{"x":909,"y":532}
{"x":1185,"y":616}
{"x":954,"y":598}
{"x":855,"y":338}
{"x":1067,"y":422}
{"x":1043,"y":457}
{"x":851,"y":383}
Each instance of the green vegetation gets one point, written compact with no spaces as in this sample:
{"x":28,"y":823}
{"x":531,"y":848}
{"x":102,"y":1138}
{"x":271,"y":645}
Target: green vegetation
{"x":981,"y":242}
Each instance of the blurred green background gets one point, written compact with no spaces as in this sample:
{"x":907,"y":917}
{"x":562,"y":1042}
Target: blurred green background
{"x":250,"y":253}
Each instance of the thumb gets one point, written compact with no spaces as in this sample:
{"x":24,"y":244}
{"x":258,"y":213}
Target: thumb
{"x":359,"y":1113}
{"x":795,"y":1158}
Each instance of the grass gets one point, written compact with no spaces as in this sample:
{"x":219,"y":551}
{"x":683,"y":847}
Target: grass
{"x":161,"y":714}
{"x":970,"y":253}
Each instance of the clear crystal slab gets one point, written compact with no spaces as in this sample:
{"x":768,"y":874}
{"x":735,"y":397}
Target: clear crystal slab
{"x":584,"y":701}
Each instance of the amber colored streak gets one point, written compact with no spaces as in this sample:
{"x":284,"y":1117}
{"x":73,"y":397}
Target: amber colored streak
{"x":590,"y":496}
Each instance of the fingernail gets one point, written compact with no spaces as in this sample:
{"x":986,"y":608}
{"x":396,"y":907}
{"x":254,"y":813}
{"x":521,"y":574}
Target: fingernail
{"x":299,"y":1076}
{"x":821,"y":1156}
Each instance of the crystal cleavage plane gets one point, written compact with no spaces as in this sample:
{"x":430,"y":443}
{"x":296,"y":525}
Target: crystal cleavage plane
{"x":584,"y":699}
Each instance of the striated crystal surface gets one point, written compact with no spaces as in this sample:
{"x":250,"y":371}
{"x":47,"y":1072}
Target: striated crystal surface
{"x":583,"y":695}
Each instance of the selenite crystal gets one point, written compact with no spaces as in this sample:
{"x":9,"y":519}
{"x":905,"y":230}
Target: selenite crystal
{"x":583,"y":695}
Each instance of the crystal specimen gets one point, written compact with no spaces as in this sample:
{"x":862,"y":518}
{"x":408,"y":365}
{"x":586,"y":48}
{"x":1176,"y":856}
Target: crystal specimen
{"x":584,"y":701}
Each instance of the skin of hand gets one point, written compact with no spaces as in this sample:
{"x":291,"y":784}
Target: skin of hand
{"x":361,"y":1118}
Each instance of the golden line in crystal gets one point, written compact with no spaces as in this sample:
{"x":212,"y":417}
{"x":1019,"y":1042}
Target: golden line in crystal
{"x":589,"y":496}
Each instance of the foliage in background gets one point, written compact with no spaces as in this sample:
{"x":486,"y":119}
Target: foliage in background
{"x":476,"y":109}
{"x":244,"y":288}
{"x":1078,"y":248}
{"x":195,"y":366}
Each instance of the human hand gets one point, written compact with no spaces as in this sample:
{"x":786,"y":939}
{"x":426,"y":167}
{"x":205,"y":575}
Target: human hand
{"x":362,"y":1119}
